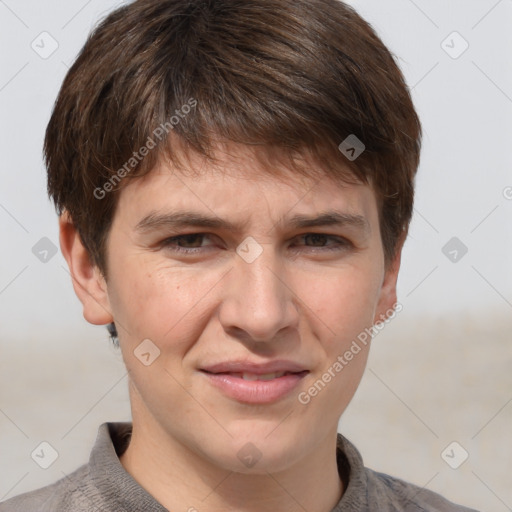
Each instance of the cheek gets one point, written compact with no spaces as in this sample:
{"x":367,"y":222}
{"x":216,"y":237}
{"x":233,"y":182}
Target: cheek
{"x":343,"y":301}
{"x":342,"y":307}
{"x":159,"y":303}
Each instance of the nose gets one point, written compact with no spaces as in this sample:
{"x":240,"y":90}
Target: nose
{"x":259,"y":300}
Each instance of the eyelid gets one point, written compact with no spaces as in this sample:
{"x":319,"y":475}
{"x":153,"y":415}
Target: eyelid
{"x":175,"y":238}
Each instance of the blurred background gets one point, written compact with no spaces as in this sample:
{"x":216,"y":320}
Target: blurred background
{"x":435,"y":404}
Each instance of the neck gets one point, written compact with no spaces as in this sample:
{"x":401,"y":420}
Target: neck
{"x":180,"y":479}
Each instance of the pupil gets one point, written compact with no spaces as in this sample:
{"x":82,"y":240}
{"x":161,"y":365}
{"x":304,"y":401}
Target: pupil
{"x":190,"y":239}
{"x":317,"y":238}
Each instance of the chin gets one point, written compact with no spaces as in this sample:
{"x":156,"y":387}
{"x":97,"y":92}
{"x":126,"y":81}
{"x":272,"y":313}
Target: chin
{"x":258,"y":454}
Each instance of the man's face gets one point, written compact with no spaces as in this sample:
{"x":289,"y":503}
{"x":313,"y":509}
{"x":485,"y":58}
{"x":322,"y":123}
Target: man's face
{"x":219,"y":305}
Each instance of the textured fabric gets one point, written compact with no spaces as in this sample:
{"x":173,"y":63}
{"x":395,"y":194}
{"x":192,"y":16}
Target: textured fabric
{"x":103,"y":485}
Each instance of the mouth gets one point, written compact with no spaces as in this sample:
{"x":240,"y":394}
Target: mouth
{"x":253,"y":384}
{"x":244,"y":367}
{"x":255,"y":376}
{"x":263,"y":376}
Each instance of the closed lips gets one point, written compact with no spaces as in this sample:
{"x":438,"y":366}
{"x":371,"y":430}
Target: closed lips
{"x":251,"y":382}
{"x":257,"y":376}
{"x":241,"y":367}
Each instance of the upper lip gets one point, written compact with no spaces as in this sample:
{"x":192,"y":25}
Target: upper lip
{"x":255,"y":368}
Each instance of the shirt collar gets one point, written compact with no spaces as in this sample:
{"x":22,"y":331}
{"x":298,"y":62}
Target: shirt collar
{"x":113,"y":439}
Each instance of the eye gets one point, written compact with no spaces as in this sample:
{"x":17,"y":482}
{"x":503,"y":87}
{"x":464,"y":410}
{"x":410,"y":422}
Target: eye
{"x":182,"y":243}
{"x":321,"y":240}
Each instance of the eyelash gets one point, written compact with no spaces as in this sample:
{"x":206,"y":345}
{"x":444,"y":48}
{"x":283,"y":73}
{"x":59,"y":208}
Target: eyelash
{"x":341,"y":243}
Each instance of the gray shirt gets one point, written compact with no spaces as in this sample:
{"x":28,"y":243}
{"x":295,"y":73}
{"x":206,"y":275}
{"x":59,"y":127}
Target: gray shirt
{"x":103,"y":485}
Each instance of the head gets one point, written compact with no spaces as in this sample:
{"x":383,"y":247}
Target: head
{"x":235,"y":111}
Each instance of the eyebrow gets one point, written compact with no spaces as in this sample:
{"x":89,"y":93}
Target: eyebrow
{"x":182,"y":219}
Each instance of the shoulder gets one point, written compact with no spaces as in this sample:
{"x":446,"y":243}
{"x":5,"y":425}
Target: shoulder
{"x":369,"y":490}
{"x":101,"y":484}
{"x":72,"y":492}
{"x":398,"y":494}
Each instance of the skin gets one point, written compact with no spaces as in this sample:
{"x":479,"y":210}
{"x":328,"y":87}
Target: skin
{"x":297,"y":301}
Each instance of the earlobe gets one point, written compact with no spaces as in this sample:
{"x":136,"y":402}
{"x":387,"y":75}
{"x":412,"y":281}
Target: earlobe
{"x":88,"y":282}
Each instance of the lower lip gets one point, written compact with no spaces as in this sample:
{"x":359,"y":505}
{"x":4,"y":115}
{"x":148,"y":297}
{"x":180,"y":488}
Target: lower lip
{"x":255,"y":391}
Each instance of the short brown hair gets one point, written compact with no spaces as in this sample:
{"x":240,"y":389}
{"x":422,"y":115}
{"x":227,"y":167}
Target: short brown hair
{"x":293,"y":77}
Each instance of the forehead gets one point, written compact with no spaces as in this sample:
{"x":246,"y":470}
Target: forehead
{"x":245,"y":182}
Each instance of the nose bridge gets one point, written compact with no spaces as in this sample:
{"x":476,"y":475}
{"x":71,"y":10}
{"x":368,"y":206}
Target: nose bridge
{"x":259,"y":276}
{"x":258,"y":301}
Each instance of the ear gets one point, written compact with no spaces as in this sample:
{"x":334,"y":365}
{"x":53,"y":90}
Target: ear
{"x":388,"y":299}
{"x":89,"y":284}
